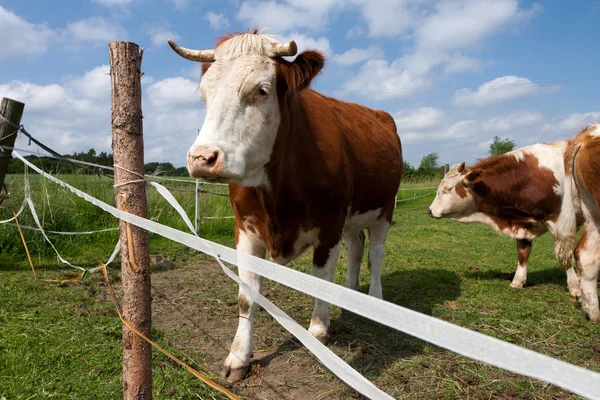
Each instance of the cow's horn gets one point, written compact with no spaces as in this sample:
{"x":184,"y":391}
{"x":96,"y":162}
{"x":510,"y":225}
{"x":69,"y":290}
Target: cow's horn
{"x":289,"y":49}
{"x":193,"y":55}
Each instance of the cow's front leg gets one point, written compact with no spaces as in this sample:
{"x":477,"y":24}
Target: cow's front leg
{"x":324,"y":261}
{"x":523,"y":251}
{"x":237,"y":364}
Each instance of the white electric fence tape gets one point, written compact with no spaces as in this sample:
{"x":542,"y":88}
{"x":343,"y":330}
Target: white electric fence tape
{"x":16,"y":215}
{"x":471,"y":344}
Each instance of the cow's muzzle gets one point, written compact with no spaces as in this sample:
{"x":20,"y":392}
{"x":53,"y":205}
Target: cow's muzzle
{"x":205,"y":162}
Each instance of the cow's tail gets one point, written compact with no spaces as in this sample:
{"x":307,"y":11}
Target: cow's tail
{"x":565,"y":231}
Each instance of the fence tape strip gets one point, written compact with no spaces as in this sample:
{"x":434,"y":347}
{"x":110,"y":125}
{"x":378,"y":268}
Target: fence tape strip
{"x":16,"y":215}
{"x":415,"y":197}
{"x":444,"y":334}
{"x":31,"y":228}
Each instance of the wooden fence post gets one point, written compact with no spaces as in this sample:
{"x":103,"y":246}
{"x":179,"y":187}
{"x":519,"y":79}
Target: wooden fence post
{"x":128,"y":151}
{"x":11,"y":112}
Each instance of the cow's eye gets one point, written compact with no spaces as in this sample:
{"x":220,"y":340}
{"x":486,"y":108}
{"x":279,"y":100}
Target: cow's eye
{"x":448,"y":189}
{"x":261,"y":93}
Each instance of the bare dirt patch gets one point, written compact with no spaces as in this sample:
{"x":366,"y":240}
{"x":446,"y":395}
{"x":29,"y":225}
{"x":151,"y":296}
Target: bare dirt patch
{"x":195,"y":307}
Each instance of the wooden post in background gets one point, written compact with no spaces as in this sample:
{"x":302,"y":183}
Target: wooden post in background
{"x":128,"y":151}
{"x":11,"y":111}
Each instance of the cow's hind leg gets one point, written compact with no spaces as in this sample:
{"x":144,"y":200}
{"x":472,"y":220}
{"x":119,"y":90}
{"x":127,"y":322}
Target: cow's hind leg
{"x":324,"y":261}
{"x":588,"y":258}
{"x":237,"y":363}
{"x":377,"y":234}
{"x":355,"y":247}
{"x":523,"y":251}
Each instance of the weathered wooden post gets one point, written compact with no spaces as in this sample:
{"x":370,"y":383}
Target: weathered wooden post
{"x":130,"y":196}
{"x":11,"y":112}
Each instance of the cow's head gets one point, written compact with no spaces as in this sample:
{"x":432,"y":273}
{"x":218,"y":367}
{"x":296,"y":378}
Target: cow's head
{"x":242,"y":88}
{"x":453,"y":199}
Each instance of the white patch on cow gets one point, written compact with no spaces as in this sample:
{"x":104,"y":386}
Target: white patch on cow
{"x":520,"y":277}
{"x":355,"y":247}
{"x":519,"y":155}
{"x":589,"y":265}
{"x":377,"y":235}
{"x":573,"y":283}
{"x":241,"y":347}
{"x":594,"y":129}
{"x":360,"y":221}
{"x":319,"y":322}
{"x":242,"y":112}
{"x":549,"y":156}
{"x":304,"y":240}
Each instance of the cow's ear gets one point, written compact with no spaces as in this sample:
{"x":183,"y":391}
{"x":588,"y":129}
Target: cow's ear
{"x":299,"y":73}
{"x":468,"y":178}
{"x":461,"y":167}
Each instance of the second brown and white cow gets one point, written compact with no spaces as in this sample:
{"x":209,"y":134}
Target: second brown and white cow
{"x":518,"y":194}
{"x":304,"y":170}
{"x":582,"y":194}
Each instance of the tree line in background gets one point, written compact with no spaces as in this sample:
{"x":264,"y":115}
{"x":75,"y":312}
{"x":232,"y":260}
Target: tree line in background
{"x":57,"y":166}
{"x":428,"y":167}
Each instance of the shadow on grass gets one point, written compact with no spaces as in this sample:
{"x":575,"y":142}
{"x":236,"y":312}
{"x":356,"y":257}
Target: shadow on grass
{"x":373,"y":346}
{"x":551,"y":275}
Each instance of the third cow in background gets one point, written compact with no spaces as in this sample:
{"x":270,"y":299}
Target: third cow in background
{"x":518,"y":194}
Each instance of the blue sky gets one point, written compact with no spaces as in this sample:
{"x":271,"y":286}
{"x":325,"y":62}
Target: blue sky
{"x":453,"y":73}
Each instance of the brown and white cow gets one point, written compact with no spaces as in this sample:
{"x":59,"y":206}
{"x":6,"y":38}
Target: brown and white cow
{"x":582,"y":194}
{"x":518,"y":194}
{"x":304,"y":170}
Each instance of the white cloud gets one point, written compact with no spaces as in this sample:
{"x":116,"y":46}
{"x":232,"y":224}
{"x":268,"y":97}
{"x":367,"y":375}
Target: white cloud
{"x":391,"y":17}
{"x":97,"y":30}
{"x":418,"y":119}
{"x":356,"y":55}
{"x":174,"y":93}
{"x":217,"y":21}
{"x":382,"y":80}
{"x":159,"y":36}
{"x":509,"y":122}
{"x":305,"y":42}
{"x":74,"y":115}
{"x":572,"y":123}
{"x":441,"y":32}
{"x":459,"y":24}
{"x":498,"y":90}
{"x":22,"y":38}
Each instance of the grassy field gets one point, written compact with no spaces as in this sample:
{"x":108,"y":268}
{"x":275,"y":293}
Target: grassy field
{"x":64,"y":341}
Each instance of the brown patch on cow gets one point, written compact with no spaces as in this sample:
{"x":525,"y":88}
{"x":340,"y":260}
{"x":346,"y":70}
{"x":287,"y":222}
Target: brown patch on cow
{"x":460,"y":190}
{"x":587,"y":166}
{"x":523,"y":250}
{"x":243,"y":305}
{"x":504,"y":190}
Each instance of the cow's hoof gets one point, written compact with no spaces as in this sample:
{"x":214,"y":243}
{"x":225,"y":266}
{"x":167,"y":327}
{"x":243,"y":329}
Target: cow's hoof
{"x":234,"y":375}
{"x":575,"y":293}
{"x":516,"y":285}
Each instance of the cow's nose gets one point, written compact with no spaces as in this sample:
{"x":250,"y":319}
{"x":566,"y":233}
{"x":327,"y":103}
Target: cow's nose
{"x":204,"y":161}
{"x":429,"y":212}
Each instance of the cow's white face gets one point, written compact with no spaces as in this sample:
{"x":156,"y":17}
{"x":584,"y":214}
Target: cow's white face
{"x":242,"y":120}
{"x":453,"y":200}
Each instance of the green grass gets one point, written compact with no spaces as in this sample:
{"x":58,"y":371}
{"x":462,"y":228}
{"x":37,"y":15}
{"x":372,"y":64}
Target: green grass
{"x":65,"y":341}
